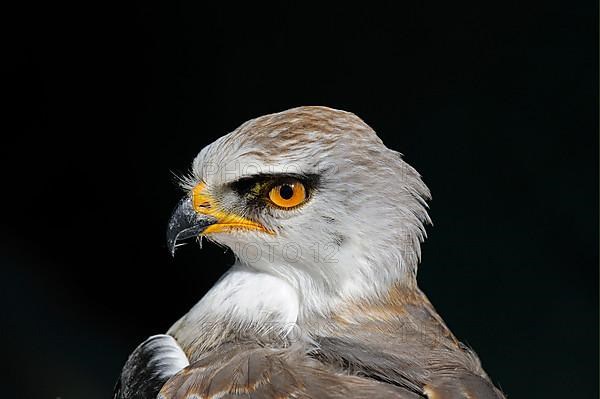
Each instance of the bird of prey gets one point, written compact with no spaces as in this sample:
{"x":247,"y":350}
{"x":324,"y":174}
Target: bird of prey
{"x":322,"y":302}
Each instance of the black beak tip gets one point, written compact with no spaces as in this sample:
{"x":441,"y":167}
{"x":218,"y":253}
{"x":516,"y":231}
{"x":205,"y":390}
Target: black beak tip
{"x":185,"y":223}
{"x":171,"y":245}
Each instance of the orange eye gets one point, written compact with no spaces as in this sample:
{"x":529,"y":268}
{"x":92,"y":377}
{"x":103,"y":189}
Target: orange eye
{"x":288,"y":195}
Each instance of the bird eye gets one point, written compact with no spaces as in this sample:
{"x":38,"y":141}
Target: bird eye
{"x":288,"y":195}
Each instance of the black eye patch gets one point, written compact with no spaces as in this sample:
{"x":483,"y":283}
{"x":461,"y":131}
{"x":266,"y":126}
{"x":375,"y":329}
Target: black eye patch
{"x":257,"y":186}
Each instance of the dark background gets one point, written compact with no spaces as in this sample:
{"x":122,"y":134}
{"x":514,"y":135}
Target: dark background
{"x":495,"y":105}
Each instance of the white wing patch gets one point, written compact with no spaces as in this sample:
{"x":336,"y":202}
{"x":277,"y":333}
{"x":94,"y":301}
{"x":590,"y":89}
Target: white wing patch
{"x":149,"y":366}
{"x":167,"y":357}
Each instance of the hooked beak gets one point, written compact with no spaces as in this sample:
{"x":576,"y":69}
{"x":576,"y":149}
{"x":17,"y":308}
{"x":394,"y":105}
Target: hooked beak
{"x":186,"y":223}
{"x":199,"y":214}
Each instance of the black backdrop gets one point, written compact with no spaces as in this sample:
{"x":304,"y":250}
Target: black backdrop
{"x":495,"y":105}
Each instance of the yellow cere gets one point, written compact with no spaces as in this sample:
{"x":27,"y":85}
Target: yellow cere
{"x":206,"y":205}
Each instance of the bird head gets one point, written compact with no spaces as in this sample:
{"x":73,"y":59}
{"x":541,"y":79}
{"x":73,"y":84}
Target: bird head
{"x":310,"y":194}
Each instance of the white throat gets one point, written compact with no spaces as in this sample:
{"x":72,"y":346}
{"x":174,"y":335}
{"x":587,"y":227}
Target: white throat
{"x":242,"y":301}
{"x":270,"y":304}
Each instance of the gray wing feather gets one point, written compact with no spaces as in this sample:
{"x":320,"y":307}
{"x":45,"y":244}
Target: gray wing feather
{"x":430,"y":377}
{"x":264,"y":373}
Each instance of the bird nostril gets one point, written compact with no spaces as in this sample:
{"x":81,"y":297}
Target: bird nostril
{"x":204,"y":204}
